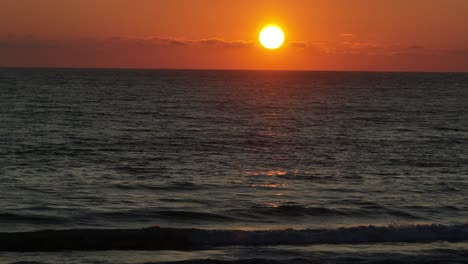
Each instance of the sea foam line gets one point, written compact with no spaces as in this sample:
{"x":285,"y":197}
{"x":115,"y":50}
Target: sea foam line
{"x":156,"y":238}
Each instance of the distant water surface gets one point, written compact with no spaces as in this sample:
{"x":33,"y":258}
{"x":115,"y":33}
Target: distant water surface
{"x":222,"y":150}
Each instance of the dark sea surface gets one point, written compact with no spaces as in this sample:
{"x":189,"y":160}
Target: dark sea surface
{"x":239,"y":150}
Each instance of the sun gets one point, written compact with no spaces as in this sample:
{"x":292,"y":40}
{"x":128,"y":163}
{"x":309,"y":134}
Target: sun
{"x":271,"y":37}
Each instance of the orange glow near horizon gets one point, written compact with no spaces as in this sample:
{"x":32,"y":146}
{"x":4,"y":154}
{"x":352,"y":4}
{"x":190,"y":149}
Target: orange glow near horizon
{"x":387,"y":35}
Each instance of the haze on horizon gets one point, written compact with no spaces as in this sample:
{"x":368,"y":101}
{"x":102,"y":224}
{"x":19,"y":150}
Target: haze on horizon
{"x":396,"y":35}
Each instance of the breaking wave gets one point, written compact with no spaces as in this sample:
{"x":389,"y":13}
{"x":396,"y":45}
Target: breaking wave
{"x":156,"y":238}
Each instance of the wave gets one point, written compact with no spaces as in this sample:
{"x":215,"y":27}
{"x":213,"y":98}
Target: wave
{"x":136,"y":217}
{"x":458,"y":257}
{"x":139,"y":215}
{"x":156,"y":238}
{"x":296,"y":210}
{"x":16,"y":218}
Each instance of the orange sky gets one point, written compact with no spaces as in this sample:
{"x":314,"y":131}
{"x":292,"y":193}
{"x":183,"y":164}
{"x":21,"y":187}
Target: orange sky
{"x":381,"y":35}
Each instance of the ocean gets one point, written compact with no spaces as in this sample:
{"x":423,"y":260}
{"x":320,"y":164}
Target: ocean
{"x":214,"y":166}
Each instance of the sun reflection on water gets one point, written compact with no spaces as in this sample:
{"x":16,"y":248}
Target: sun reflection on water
{"x":270,"y":185}
{"x":269,"y":173}
{"x":271,"y":204}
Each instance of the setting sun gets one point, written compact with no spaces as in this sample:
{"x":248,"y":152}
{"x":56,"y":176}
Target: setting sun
{"x":271,"y":37}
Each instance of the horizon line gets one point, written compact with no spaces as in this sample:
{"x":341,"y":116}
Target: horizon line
{"x":220,"y":69}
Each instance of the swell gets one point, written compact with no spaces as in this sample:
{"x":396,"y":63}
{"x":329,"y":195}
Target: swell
{"x":135,"y":215}
{"x":46,"y":215}
{"x":294,"y":211}
{"x":31,"y":218}
{"x":155,"y":238}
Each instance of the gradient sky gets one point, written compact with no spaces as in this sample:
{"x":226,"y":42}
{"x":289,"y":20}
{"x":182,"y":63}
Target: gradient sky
{"x":376,"y":35}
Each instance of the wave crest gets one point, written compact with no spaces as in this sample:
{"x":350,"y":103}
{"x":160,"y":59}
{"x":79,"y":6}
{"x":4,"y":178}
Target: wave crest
{"x":156,"y":238}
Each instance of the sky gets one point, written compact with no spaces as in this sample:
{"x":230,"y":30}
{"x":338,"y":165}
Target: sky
{"x":352,"y":35}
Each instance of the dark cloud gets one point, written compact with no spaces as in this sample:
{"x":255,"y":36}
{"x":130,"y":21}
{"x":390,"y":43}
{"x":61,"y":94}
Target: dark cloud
{"x":457,"y":52}
{"x":166,"y":41}
{"x":137,"y":41}
{"x":349,"y":46}
{"x":423,"y":51}
{"x":226,"y":44}
{"x":177,"y":42}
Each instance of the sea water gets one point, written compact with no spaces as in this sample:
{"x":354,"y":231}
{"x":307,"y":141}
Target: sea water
{"x":242,"y":151}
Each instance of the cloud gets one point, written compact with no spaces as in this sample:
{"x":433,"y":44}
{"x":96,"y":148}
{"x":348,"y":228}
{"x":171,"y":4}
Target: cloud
{"x":375,"y":48}
{"x":457,"y":52}
{"x":347,"y":35}
{"x":348,"y":46}
{"x":142,"y":41}
{"x":120,"y":41}
{"x":298,"y":44}
{"x":166,"y":41}
{"x":178,"y":42}
{"x":217,"y":42}
{"x":352,"y":48}
{"x":423,"y":51}
{"x":363,"y":45}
